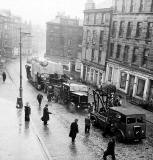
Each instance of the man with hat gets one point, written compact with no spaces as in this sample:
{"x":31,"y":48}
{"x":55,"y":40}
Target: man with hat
{"x":46,"y":113}
{"x":27,"y":110}
{"x":74,"y":130}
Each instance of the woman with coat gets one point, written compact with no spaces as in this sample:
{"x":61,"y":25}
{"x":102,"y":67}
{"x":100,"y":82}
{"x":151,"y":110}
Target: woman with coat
{"x":46,"y":113}
{"x":27,"y":110}
{"x":74,"y":130}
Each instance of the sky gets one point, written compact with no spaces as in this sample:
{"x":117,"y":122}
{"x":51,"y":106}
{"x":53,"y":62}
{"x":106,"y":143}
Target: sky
{"x":42,"y":11}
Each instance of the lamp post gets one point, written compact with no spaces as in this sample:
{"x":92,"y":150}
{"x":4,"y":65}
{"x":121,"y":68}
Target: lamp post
{"x":20,"y":98}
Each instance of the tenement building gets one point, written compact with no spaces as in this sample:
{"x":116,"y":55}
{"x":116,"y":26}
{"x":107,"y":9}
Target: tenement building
{"x":94,"y":44}
{"x":130,"y":59}
{"x":63,"y":40}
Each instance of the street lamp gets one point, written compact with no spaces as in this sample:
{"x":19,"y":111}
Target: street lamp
{"x":20,"y":98}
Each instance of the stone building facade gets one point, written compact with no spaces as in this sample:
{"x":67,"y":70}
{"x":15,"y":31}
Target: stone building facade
{"x":130,"y":59}
{"x":63,"y":40}
{"x":95,"y":44}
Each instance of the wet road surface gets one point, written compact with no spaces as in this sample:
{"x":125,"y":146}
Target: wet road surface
{"x":55,"y":135}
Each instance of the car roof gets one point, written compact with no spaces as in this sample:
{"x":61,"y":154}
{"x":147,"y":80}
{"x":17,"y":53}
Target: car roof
{"x":80,"y":93}
{"x":127,"y":111}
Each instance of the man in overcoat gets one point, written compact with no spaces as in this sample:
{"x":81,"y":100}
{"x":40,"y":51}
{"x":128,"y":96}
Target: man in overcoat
{"x":27,"y":110}
{"x":46,"y":113}
{"x":4,"y":76}
{"x":74,"y":130}
{"x":39,"y":98}
{"x":110,"y":150}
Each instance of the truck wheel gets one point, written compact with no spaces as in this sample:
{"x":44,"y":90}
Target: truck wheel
{"x":119,"y":136}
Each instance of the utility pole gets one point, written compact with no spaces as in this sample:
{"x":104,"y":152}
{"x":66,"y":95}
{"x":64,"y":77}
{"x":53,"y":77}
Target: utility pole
{"x":20,"y":98}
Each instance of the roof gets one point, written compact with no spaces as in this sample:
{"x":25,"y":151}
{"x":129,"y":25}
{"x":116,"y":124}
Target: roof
{"x":127,"y":111}
{"x":80,"y":93}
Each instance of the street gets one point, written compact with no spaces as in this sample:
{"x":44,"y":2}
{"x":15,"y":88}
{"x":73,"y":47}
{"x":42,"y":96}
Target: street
{"x":54,"y":137}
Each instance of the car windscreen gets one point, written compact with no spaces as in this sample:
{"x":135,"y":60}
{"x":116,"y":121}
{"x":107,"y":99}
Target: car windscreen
{"x":140,"y":120}
{"x":83,"y":99}
{"x":131,"y":120}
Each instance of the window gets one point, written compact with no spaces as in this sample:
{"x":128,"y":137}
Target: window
{"x":114,"y":29}
{"x":118,"y":52}
{"x":140,"y":87}
{"x":152,"y":6}
{"x":134,"y":56}
{"x":149,"y":31}
{"x":111,"y":49}
{"x":129,"y":30}
{"x":145,"y":57}
{"x":101,"y":37}
{"x":125,"y":55}
{"x":88,"y":38}
{"x":123,"y":80}
{"x":110,"y":74}
{"x":131,"y":7}
{"x":87,"y":19}
{"x":141,"y":6}
{"x":100,"y":78}
{"x":98,"y":18}
{"x":121,"y":31}
{"x":92,"y":55}
{"x":92,"y":71}
{"x":123,"y":6}
{"x":131,"y":120}
{"x":139,"y":29}
{"x":94,"y":37}
{"x":99,"y":56}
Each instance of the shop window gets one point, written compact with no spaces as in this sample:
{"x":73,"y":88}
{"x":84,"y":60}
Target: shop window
{"x":149,"y":31}
{"x":111,"y":50}
{"x":123,"y":79}
{"x":135,"y":54}
{"x":114,"y":29}
{"x":141,"y":6}
{"x":126,"y":52}
{"x":92,"y":73}
{"x":140,"y":88}
{"x":145,"y":57}
{"x":131,"y":7}
{"x":100,"y":78}
{"x":118,"y":52}
{"x":139,"y":29}
{"x":110,"y":74}
{"x":129,"y":29}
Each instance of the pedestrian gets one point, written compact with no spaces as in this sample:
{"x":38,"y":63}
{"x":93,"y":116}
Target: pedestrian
{"x":27,"y":110}
{"x":39,"y":98}
{"x":87,"y":124}
{"x":74,"y":130}
{"x":4,"y":76}
{"x":46,"y":113}
{"x":110,"y":150}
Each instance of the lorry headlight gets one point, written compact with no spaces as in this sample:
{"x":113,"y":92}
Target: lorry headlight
{"x":142,"y":131}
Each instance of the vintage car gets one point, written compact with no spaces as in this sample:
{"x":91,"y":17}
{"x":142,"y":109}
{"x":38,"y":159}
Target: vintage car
{"x":124,"y":123}
{"x":74,"y":95}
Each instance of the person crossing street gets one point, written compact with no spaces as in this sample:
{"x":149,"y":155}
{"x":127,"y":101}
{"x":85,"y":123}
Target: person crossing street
{"x":39,"y":98}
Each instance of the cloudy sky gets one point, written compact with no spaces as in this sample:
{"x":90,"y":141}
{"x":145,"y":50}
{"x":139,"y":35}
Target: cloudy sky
{"x":41,"y":11}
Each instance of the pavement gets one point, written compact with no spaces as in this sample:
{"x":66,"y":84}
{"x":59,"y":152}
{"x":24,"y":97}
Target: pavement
{"x":18,"y":138}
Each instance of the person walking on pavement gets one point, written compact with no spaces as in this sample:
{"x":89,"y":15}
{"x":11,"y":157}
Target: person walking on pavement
{"x":4,"y":76}
{"x":74,"y":130}
{"x":110,"y":150}
{"x":27,"y":110}
{"x":87,"y":124}
{"x":39,"y":98}
{"x":46,"y":113}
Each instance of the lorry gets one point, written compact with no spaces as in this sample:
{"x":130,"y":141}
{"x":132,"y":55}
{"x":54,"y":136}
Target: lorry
{"x":124,"y":123}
